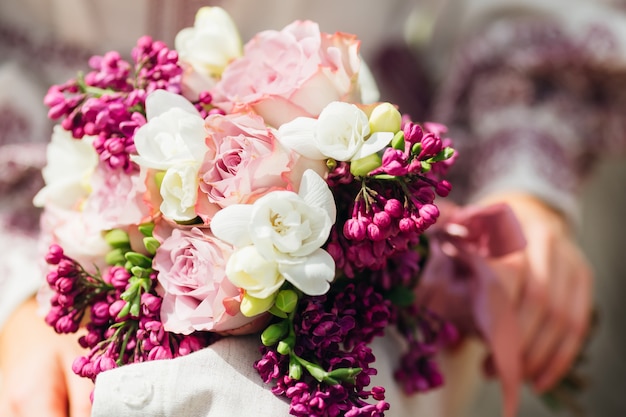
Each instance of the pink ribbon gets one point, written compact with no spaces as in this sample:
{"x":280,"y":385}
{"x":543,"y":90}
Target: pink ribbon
{"x":459,"y":285}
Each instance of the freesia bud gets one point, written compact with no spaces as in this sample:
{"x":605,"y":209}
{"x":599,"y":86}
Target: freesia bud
{"x":295,"y":370}
{"x":398,"y":141}
{"x":251,"y":306}
{"x":151,"y":244}
{"x":362,"y":167}
{"x":117,"y":238}
{"x":286,"y":300}
{"x":115,"y":257}
{"x":385,"y":118}
{"x":138,"y":259}
{"x":274,"y":333}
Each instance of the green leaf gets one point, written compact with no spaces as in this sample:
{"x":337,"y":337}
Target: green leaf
{"x":446,"y":153}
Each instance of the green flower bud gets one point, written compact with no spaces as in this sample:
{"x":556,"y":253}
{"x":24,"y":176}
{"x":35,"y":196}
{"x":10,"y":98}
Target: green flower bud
{"x":115,"y":257}
{"x":283,"y":348}
{"x":252,"y":306}
{"x":137,"y":259}
{"x":385,"y":118}
{"x":295,"y":370}
{"x":286,"y":300}
{"x":140,"y":272}
{"x":398,"y":141}
{"x":151,"y":244}
{"x":117,"y":238}
{"x":426,"y":166}
{"x":135,"y":306}
{"x":146,"y":229}
{"x":274,"y":333}
{"x":416,"y":149}
{"x":345,"y":374}
{"x":362,"y":167}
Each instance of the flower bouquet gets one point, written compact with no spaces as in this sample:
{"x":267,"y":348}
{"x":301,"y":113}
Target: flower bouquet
{"x":212,"y":190}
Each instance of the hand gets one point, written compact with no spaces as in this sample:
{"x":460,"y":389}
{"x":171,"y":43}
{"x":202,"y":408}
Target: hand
{"x":36,"y":366}
{"x":551,"y":283}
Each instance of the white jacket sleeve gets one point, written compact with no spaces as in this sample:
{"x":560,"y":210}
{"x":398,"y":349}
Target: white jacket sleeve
{"x":220,"y":381}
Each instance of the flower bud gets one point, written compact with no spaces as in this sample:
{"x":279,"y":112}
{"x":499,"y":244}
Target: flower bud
{"x":295,"y":370}
{"x":52,"y":277}
{"x":355,"y":229}
{"x":385,"y":118}
{"x":252,"y":306}
{"x":443,"y":188}
{"x":78,"y":364}
{"x":412,"y":132}
{"x":374,"y":233}
{"x":274,"y":333}
{"x":115,"y":257}
{"x":117,"y":238}
{"x":382,"y":219}
{"x":286,"y":300}
{"x":146,"y":229}
{"x":151,"y":244}
{"x":398,"y":141}
{"x":394,"y":208}
{"x":54,"y":255}
{"x":429,"y":212}
{"x":362,"y":167}
{"x":138,"y":259}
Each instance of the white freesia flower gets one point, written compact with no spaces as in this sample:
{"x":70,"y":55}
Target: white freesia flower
{"x":173,"y":140}
{"x":208,"y":47}
{"x":341,"y":132}
{"x":179,"y":190}
{"x":247,"y":269}
{"x":174,"y":133}
{"x":288,"y":229}
{"x":71,"y":163}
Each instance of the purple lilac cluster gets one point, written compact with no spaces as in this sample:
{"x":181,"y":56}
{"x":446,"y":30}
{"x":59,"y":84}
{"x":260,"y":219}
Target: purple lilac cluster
{"x":332,"y":332}
{"x":426,"y":334}
{"x":116,"y":333}
{"x":109,"y":101}
{"x":394,"y":203}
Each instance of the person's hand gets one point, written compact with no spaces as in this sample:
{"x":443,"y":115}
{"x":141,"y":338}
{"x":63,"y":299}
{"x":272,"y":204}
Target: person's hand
{"x":551,"y":282}
{"x":36,"y":367}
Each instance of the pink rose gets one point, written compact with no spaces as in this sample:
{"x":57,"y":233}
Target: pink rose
{"x":117,"y":199}
{"x":291,"y":73}
{"x":246,"y":161}
{"x":197,"y":295}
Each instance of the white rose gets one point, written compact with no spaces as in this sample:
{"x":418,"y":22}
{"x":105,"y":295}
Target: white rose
{"x":70,"y":165}
{"x":288,"y":229}
{"x":341,"y":132}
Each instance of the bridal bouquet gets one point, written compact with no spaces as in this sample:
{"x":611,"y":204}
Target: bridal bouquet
{"x":217,"y":189}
